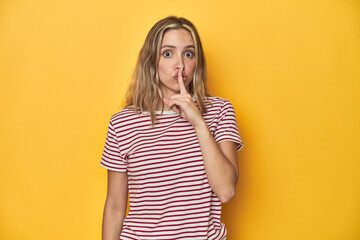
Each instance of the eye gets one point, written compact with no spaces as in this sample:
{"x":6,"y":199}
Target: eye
{"x":189,"y":54}
{"x":167,"y":54}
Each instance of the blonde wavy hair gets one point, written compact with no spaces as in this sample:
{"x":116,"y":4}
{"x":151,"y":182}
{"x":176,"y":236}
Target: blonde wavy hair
{"x":144,"y":92}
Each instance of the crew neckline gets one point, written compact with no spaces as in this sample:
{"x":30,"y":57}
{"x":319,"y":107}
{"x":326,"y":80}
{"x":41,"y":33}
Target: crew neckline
{"x":167,"y":112}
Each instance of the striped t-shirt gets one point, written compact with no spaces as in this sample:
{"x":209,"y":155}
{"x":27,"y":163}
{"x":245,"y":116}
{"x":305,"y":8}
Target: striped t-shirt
{"x":170,"y":196}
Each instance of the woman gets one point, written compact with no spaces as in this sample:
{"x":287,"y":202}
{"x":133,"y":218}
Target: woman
{"x":173,"y":147}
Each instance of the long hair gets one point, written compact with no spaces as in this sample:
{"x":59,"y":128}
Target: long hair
{"x":144,"y":93}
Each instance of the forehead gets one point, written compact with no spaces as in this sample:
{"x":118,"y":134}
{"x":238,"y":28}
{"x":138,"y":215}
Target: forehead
{"x":177,"y":37}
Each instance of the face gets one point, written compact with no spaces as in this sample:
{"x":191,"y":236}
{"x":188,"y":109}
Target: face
{"x":177,"y":51}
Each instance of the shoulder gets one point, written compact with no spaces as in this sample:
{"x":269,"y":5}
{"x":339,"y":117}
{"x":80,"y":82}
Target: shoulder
{"x":124,"y":117}
{"x":218,"y":103}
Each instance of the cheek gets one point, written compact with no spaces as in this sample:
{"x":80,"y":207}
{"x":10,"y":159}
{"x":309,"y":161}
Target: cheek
{"x":163,"y":67}
{"x":191,"y":67}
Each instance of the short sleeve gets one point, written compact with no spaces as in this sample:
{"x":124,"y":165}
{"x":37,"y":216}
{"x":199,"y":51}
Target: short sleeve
{"x":112,"y":158}
{"x":227,"y":129}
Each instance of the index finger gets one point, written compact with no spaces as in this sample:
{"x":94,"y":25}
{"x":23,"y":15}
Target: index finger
{"x":181,"y":81}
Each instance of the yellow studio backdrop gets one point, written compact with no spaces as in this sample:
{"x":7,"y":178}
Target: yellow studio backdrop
{"x":290,"y":68}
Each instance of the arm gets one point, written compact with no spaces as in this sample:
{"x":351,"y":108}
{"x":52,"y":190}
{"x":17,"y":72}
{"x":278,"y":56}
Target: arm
{"x":220,"y":160}
{"x":115,"y":205}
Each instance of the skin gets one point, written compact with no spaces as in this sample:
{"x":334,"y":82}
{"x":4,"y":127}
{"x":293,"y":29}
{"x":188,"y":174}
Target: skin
{"x":115,"y":205}
{"x":177,"y":51}
{"x":220,"y":160}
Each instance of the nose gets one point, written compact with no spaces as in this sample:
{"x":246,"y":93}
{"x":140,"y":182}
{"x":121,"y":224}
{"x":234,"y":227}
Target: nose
{"x":180,"y":62}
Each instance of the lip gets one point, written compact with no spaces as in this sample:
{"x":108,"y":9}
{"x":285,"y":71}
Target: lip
{"x":184,"y":77}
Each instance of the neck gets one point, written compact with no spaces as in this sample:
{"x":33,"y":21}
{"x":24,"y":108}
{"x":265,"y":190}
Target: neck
{"x":158,"y":107}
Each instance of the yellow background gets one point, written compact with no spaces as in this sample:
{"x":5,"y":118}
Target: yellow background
{"x":290,"y":68}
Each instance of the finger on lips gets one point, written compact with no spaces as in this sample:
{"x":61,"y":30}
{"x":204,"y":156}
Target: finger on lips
{"x":181,"y":81}
{"x":176,"y":101}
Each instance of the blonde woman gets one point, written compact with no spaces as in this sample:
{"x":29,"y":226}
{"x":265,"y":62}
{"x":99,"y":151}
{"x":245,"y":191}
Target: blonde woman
{"x":173,"y":147}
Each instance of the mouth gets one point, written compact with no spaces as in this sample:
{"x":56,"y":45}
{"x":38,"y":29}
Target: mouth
{"x":183,"y":76}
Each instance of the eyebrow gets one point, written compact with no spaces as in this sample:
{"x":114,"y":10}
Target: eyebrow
{"x":171,"y":46}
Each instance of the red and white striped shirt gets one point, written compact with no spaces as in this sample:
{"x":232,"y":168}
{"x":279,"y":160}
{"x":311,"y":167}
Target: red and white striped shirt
{"x":170,"y":197}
